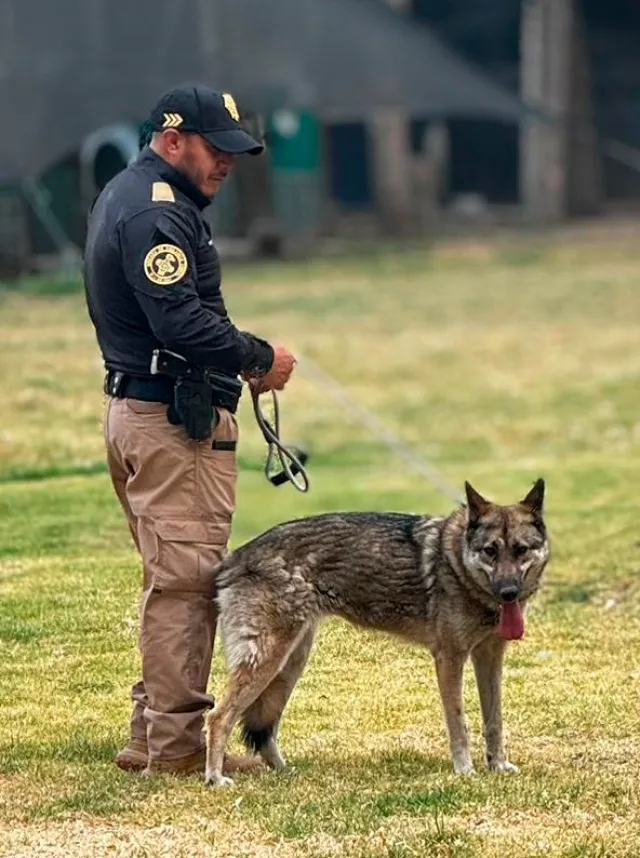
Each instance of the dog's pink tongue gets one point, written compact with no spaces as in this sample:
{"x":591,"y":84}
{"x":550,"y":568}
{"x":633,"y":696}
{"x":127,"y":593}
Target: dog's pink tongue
{"x":511,"y":626}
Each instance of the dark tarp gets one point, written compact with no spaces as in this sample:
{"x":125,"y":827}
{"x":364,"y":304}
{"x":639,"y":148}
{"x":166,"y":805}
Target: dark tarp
{"x":70,"y":67}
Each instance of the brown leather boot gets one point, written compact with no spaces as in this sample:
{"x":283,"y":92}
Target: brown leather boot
{"x":134,"y":758}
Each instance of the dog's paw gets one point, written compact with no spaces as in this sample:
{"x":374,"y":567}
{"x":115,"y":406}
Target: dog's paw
{"x":503,"y":766}
{"x":216,"y":780}
{"x":463,"y":767}
{"x":274,"y":760}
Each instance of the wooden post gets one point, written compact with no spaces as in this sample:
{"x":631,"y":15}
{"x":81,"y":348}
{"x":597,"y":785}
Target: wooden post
{"x":429,"y":176}
{"x":585,"y":163}
{"x":392,"y":163}
{"x":546,"y":72}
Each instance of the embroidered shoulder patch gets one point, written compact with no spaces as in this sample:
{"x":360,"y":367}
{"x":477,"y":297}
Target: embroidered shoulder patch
{"x":165,"y":264}
{"x":162,"y":192}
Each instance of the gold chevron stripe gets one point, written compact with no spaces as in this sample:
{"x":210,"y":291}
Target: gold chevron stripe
{"x":172,"y":120}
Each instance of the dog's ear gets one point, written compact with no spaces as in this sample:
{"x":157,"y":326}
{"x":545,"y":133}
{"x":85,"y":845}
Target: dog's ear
{"x":478,"y":505}
{"x":534,"y":501}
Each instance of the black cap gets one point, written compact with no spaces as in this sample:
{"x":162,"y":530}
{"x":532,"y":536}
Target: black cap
{"x":214,"y":115}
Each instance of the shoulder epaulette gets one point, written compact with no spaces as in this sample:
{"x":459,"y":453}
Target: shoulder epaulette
{"x":161,"y":192}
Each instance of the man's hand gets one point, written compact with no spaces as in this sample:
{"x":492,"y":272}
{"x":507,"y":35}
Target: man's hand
{"x":279,"y":374}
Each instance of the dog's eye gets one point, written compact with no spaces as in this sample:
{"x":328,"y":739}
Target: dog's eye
{"x":491,"y":551}
{"x":520,"y":550}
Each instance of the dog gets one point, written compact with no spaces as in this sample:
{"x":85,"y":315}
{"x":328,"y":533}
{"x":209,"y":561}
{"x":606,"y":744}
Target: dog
{"x":458,"y":585}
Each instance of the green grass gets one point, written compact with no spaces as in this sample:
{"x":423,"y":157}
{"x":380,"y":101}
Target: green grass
{"x":499,"y":361}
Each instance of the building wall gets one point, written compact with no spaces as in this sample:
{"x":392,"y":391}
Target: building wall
{"x":485,"y":156}
{"x":614,"y":37}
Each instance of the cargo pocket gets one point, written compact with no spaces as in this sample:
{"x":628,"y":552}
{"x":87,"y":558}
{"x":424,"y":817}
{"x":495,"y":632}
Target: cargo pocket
{"x":182,"y":556}
{"x":224,"y":438}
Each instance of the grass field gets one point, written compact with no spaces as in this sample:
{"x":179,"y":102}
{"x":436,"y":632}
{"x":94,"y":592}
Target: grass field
{"x":499,"y":361}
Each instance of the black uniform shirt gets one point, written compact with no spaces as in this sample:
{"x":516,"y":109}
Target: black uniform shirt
{"x":152,"y":276}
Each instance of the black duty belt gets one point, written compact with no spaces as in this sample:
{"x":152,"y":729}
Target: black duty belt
{"x":148,"y":389}
{"x":225,"y":392}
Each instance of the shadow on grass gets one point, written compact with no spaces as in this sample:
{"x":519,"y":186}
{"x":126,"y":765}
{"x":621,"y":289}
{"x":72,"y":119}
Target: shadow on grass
{"x":355,"y":794}
{"x":338,"y":796}
{"x":351,"y":795}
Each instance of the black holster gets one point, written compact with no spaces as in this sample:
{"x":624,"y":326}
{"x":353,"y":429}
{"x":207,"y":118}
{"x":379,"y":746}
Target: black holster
{"x":193,"y":408}
{"x":196,"y":393}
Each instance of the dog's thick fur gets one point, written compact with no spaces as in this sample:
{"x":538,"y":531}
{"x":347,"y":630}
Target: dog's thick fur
{"x":447,"y":583}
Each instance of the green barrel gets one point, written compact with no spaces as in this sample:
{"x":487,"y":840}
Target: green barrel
{"x":295,"y":151}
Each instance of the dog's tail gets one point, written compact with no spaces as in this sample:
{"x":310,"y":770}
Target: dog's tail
{"x":256,"y":738}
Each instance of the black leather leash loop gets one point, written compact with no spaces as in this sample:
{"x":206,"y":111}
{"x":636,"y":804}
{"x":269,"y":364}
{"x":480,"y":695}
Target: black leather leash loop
{"x":292,"y":459}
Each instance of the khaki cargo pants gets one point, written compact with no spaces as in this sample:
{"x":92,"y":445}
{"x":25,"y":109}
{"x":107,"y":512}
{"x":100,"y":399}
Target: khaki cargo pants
{"x":179,"y":497}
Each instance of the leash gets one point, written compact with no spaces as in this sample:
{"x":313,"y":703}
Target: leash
{"x":382,"y":433}
{"x":292,"y":459}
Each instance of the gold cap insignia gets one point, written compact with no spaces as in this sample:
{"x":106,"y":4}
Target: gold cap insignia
{"x":172,"y":120}
{"x":230,"y":104}
{"x":165,"y":264}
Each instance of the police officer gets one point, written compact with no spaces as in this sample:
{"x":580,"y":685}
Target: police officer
{"x":152,"y":281}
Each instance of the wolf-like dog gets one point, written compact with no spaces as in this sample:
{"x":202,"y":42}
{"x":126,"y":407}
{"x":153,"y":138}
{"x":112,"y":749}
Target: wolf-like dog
{"x":457,"y":584}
